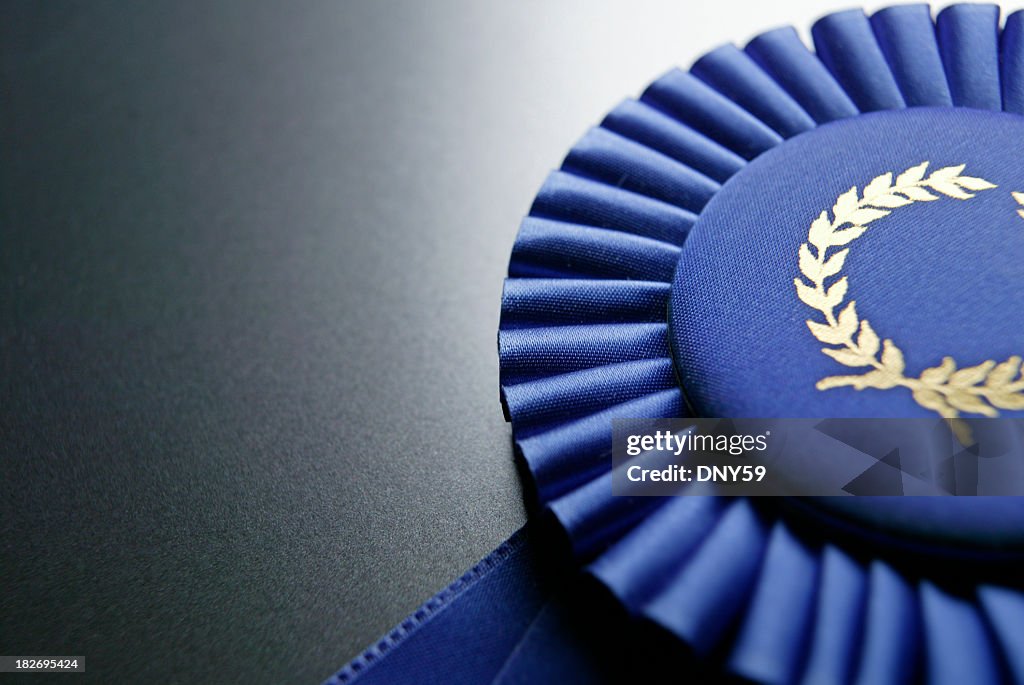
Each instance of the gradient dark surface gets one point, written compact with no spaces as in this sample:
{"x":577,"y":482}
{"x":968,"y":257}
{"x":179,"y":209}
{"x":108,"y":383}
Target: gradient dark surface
{"x":250,"y":268}
{"x":249,"y":402}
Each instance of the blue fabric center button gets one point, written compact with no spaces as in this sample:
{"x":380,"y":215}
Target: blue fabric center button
{"x":868,"y":268}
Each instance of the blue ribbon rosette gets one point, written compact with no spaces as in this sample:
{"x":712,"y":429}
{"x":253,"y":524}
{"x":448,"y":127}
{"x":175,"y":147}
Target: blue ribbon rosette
{"x":781,"y":232}
{"x":778,"y":232}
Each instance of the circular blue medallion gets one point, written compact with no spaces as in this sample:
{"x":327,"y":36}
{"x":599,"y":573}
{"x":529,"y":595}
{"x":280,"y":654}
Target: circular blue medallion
{"x":836,"y":274}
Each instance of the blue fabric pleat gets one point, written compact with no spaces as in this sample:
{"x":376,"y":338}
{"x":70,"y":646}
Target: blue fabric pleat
{"x":838,"y":621}
{"x":770,"y":644}
{"x":559,"y":399}
{"x":734,"y":74}
{"x":892,"y":630}
{"x":618,"y":161}
{"x":574,"y":453}
{"x":787,"y":60}
{"x":663,"y":540}
{"x":704,"y":598}
{"x":907,"y":38}
{"x":969,"y":44}
{"x":575,"y":200}
{"x":846,"y":45}
{"x":464,"y":633}
{"x":959,"y":650}
{"x":532,"y":353}
{"x":550,"y":249}
{"x":1012,"y":61}
{"x":593,"y":520}
{"x":538,"y":302}
{"x":696,"y":104}
{"x":658,"y":131}
{"x":1005,"y":611}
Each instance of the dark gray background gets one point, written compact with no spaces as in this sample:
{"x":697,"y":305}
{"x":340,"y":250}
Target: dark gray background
{"x":250,"y":268}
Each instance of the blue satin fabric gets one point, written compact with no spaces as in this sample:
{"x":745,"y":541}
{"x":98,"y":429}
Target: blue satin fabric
{"x":548,"y":249}
{"x":1005,"y":610}
{"x":577,"y":201}
{"x":532,"y":303}
{"x":618,"y":161}
{"x":907,"y":39}
{"x":659,"y":132}
{"x":699,"y":106}
{"x":533,"y":353}
{"x":1011,"y":59}
{"x":846,"y":44}
{"x":772,"y":592}
{"x":969,"y":43}
{"x":736,"y":75}
{"x":785,"y":58}
{"x":548,"y":402}
{"x":574,"y":453}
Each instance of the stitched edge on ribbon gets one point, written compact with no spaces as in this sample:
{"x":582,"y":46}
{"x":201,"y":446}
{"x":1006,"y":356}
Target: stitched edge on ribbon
{"x":377,"y":651}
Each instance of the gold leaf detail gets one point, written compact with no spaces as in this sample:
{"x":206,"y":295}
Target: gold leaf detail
{"x":891,"y":201}
{"x":980,"y":389}
{"x":866,"y":216}
{"x":912,"y":175}
{"x":835,"y":264}
{"x":846,"y":202}
{"x":973,"y":183}
{"x":848,"y":320}
{"x":836,"y":293}
{"x":965,"y":401}
{"x":947,"y":173}
{"x":848,"y":357}
{"x":879,"y":185}
{"x":937,"y":375}
{"x":1004,"y":373}
{"x":827,"y":334}
{"x":971,"y":375}
{"x":871,"y":379}
{"x":918,"y":194}
{"x":950,"y":189}
{"x":867,"y":341}
{"x":892,"y":358}
{"x":810,"y":296}
{"x":839,"y":381}
{"x":932,"y":399}
{"x":809,"y":266}
{"x":840,"y":238}
{"x":1007,"y":400}
{"x":821,"y":231}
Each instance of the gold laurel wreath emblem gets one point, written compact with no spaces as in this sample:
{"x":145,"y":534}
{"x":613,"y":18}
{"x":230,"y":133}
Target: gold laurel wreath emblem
{"x":945,"y":389}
